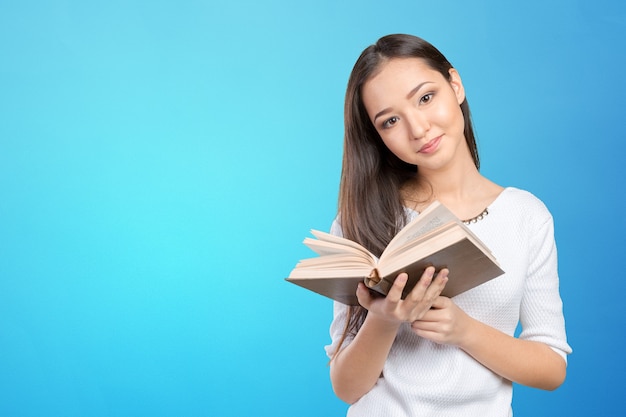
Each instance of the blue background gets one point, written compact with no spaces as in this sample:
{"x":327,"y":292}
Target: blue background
{"x":161,"y":162}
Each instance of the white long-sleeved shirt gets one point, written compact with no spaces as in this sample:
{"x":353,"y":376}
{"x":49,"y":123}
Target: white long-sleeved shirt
{"x":421,"y":378}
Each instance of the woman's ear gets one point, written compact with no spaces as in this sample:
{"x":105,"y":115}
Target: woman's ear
{"x":457,"y":85}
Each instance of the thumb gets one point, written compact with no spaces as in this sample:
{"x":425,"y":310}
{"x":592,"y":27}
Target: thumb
{"x":364,"y":296}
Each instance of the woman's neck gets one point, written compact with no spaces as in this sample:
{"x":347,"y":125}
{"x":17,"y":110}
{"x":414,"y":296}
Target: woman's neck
{"x":462,"y":189}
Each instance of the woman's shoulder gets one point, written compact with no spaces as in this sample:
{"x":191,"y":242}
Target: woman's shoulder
{"x":519,"y":195}
{"x":513,"y":199}
{"x":335,"y":227}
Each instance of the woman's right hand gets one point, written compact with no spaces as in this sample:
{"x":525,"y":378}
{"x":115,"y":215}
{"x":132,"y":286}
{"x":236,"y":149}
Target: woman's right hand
{"x":356,"y":368}
{"x":418,"y":301}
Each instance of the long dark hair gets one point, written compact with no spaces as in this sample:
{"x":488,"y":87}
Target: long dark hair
{"x":371,"y":208}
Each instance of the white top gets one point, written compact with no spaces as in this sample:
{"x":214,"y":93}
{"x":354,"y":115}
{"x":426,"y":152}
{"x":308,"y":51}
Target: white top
{"x":423,"y":378}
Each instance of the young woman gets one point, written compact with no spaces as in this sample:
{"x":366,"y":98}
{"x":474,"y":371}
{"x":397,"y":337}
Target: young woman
{"x":409,"y":141}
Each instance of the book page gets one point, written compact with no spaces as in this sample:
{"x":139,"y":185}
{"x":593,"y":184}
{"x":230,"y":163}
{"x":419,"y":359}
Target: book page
{"x":333,"y":262}
{"x":422,"y":249}
{"x":332,"y":266}
{"x":419,"y":240}
{"x":327,"y":237}
{"x":432,"y":217}
{"x":325,"y":248}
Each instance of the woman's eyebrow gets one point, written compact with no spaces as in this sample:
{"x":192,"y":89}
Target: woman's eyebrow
{"x":416,"y":89}
{"x":380,"y":113}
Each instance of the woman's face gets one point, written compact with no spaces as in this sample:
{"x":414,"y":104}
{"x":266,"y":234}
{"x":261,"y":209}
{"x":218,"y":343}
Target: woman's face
{"x":416,"y":112}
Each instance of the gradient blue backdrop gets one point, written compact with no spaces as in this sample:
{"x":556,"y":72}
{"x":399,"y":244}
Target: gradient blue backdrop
{"x":161,"y":162}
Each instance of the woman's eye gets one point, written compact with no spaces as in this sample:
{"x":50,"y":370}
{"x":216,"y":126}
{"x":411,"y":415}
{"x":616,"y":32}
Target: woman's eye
{"x":425,"y":99}
{"x":390,"y":122}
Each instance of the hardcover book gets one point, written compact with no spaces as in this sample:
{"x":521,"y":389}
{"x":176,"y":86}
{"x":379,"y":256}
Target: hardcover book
{"x":436,"y":237}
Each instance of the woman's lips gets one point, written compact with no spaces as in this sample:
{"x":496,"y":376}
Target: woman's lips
{"x":431,"y":146}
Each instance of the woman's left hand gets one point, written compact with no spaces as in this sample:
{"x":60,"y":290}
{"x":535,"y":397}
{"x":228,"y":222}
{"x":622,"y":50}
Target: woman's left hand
{"x":444,"y":323}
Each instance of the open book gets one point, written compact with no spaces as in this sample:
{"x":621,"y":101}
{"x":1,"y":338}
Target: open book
{"x":435,"y":237}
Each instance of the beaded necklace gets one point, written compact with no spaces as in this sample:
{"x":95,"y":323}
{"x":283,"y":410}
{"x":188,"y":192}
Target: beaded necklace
{"x":481,"y":216}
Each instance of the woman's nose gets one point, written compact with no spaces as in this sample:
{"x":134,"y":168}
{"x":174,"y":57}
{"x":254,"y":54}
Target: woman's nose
{"x":419,"y":124}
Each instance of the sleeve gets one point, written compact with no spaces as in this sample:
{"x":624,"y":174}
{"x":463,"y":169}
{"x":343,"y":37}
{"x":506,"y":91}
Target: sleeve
{"x":541,"y":314}
{"x":337,"y":327}
{"x":340,"y":311}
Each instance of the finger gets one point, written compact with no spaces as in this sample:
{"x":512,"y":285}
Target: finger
{"x":437,"y":285}
{"x":432,"y":335}
{"x":395,"y":293}
{"x":431,"y":315}
{"x":432,"y":321}
{"x":426,"y":281}
{"x":433,"y":294}
{"x":363,"y":296}
{"x":417,"y":293}
{"x":443,"y":273}
{"x":440,"y":302}
{"x":418,"y":325}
